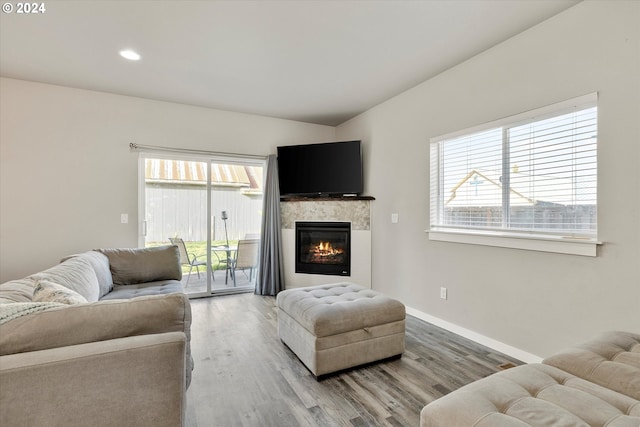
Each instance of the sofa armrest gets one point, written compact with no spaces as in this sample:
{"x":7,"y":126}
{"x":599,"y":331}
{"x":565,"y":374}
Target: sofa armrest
{"x":611,"y":360}
{"x":136,"y":380}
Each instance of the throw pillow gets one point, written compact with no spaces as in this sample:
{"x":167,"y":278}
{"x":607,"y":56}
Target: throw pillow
{"x":132,"y":266}
{"x":75,"y":273}
{"x":100,"y":264}
{"x":46,"y":291}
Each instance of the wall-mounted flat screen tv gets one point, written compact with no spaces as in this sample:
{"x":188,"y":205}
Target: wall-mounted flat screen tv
{"x":325,"y":169}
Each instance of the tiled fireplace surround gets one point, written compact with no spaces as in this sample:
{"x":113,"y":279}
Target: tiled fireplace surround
{"x":356,"y":211}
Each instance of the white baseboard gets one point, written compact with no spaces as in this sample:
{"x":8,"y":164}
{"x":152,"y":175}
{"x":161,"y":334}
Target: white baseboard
{"x":474,"y":336}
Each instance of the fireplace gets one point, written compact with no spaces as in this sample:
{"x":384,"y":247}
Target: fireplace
{"x":323,"y":248}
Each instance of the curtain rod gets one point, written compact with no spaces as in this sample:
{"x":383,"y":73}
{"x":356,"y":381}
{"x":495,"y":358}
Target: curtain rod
{"x":137,"y":147}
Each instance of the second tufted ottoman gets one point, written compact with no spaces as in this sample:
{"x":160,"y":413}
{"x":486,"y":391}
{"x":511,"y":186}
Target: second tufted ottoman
{"x":339,"y":326}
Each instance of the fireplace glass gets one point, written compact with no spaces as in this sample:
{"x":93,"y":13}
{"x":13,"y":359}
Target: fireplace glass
{"x":323,"y":248}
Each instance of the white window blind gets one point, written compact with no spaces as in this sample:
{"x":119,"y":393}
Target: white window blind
{"x":533,"y":174}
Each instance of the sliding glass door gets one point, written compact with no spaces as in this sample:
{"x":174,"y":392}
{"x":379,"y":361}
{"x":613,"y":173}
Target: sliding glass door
{"x":211,"y":208}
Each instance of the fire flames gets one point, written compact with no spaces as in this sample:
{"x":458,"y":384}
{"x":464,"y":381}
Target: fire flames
{"x":325,"y":249}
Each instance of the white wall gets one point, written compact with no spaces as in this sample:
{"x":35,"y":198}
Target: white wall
{"x":66,"y":172}
{"x":536,"y":302}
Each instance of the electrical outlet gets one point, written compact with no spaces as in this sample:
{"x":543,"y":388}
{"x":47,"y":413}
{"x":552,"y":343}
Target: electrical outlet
{"x":394,"y":218}
{"x":124,"y":218}
{"x":443,"y":293}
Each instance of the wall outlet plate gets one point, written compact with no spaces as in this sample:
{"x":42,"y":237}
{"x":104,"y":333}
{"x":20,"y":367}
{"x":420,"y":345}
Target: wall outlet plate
{"x":443,"y":292}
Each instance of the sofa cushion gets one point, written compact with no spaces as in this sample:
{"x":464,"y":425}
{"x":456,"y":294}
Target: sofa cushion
{"x":532,"y":395}
{"x":76,"y":274}
{"x":160,"y":287}
{"x":611,"y":359}
{"x":46,"y":291}
{"x":131,"y":266}
{"x":100,"y":264}
{"x":17,"y":291}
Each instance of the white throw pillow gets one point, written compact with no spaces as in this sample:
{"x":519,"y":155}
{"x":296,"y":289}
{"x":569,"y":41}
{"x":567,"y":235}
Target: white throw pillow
{"x":46,"y":291}
{"x":76,"y":274}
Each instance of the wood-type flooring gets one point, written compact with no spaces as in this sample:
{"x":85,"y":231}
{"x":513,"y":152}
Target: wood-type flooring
{"x":245,"y":376}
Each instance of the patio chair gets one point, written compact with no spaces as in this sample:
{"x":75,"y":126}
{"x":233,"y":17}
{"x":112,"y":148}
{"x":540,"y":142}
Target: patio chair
{"x":246,"y":257}
{"x":188,"y":259}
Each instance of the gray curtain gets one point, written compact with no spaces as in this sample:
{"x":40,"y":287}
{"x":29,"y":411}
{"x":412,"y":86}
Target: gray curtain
{"x":270,"y":279}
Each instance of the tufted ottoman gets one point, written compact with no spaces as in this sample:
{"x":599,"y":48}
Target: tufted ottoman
{"x":339,"y":326}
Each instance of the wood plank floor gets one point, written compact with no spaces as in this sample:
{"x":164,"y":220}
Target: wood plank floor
{"x":245,"y":376}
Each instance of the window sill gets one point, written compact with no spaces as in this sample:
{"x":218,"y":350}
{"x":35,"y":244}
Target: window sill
{"x":571,"y":246}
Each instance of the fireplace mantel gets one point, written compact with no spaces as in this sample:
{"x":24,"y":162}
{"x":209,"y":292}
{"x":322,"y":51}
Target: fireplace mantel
{"x":324,"y":199}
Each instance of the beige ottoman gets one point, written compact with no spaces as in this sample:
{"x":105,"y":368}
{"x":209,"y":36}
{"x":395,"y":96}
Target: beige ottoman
{"x":339,"y":326}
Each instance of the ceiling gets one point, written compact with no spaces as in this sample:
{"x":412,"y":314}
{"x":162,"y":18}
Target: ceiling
{"x":314,"y":61}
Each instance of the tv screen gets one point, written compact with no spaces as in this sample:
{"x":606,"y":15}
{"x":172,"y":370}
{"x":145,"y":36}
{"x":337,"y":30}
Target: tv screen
{"x":330,"y":168}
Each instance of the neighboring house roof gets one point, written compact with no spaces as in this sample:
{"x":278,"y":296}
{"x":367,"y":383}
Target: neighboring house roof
{"x":161,"y":171}
{"x":482,"y":188}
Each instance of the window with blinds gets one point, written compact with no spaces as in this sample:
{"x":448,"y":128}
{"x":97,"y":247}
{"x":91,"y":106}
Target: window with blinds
{"x":530,"y":174}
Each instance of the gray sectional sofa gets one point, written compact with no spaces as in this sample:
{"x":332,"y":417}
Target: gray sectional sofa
{"x":593,"y":384}
{"x":100,"y":339}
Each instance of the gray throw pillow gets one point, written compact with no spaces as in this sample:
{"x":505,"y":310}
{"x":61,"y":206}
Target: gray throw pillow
{"x":131,"y":266}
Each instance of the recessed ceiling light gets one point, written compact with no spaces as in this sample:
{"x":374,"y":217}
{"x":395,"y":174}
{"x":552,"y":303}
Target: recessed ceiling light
{"x":129,"y":54}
